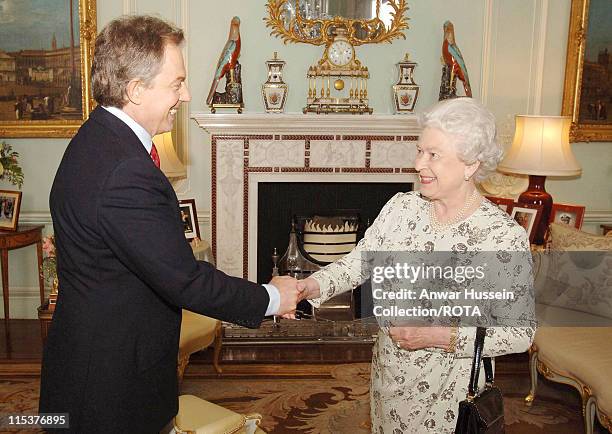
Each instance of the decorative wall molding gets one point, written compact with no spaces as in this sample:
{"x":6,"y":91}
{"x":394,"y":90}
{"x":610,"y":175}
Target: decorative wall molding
{"x":35,"y":217}
{"x":493,"y":18}
{"x":538,"y":51}
{"x":180,"y":10}
{"x":24,"y":302}
{"x":487,"y":47}
{"x":44,"y":218}
{"x":129,"y":7}
{"x":598,"y":217}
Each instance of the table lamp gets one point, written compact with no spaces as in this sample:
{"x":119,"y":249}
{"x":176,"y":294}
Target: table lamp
{"x":540,"y":148}
{"x":169,"y":161}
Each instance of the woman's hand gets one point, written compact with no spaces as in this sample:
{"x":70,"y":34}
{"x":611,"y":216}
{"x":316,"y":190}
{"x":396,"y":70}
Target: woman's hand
{"x":308,"y":289}
{"x":417,"y":338}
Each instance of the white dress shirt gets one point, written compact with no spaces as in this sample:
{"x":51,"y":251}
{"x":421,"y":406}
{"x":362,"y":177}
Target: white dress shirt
{"x":147,"y":141}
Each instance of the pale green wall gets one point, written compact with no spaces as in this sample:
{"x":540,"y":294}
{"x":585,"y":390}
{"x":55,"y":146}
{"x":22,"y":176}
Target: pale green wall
{"x":509,"y":82}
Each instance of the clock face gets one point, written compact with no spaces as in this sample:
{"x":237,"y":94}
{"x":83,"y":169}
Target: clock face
{"x":340,"y":53}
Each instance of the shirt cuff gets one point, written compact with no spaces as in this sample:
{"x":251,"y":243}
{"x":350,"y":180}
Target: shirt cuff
{"x":274,"y":303}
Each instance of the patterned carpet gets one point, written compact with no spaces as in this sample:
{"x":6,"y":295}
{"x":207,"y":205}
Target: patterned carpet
{"x":338,"y":404}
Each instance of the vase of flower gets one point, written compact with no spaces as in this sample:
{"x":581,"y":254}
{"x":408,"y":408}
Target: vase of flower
{"x":10,"y":169}
{"x":49,"y":269}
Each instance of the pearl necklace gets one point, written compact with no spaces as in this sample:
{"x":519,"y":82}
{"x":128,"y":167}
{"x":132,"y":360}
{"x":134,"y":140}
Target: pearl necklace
{"x":437,"y":226}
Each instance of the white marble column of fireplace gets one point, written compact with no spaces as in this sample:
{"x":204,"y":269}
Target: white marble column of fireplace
{"x":251,"y":148}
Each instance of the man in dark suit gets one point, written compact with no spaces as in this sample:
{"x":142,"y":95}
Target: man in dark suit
{"x":125,"y":268}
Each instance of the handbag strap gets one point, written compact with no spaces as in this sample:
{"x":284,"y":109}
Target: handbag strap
{"x":488,"y":366}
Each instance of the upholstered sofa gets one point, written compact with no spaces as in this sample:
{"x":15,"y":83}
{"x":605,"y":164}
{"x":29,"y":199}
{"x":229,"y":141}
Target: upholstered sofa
{"x":573,"y":343}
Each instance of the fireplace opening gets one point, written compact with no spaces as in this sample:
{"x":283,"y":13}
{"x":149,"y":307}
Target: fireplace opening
{"x":280,"y":202}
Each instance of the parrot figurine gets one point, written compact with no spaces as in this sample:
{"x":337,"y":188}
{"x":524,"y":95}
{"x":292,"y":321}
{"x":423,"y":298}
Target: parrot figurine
{"x":227,"y":59}
{"x":453,"y":59}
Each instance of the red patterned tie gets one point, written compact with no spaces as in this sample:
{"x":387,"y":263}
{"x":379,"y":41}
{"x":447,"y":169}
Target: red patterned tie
{"x":155,"y":156}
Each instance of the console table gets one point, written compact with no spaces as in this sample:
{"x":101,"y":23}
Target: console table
{"x":24,"y":236}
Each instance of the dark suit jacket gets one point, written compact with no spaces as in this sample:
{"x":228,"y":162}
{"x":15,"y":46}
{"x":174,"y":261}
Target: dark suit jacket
{"x":125,"y":271}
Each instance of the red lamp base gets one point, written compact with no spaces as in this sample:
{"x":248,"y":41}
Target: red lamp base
{"x":536,"y":194}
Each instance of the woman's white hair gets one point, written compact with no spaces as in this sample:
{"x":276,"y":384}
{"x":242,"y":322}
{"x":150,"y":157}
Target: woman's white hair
{"x":472,"y":128}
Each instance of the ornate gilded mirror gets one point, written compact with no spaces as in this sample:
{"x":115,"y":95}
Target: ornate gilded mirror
{"x":317,"y":21}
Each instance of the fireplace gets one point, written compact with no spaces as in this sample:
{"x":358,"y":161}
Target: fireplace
{"x":280,"y":202}
{"x":253,"y":153}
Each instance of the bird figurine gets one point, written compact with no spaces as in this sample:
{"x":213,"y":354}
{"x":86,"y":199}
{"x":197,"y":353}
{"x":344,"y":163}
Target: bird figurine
{"x":453,"y":59}
{"x":227,"y":59}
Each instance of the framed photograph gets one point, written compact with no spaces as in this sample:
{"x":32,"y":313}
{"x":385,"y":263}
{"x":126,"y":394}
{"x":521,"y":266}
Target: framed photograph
{"x":570,"y":215}
{"x":10,"y":202}
{"x":46,"y":47}
{"x":528,"y":216}
{"x":587,"y":93}
{"x":405,"y":97}
{"x":189,"y":217}
{"x":503,"y":203}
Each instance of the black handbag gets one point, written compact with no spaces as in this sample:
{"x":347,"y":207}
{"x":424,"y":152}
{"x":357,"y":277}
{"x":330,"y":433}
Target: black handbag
{"x":482,"y":412}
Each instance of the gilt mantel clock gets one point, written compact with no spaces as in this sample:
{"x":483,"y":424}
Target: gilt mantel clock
{"x":338,"y":82}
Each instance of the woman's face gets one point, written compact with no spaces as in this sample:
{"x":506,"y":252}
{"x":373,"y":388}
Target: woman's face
{"x":441,"y":172}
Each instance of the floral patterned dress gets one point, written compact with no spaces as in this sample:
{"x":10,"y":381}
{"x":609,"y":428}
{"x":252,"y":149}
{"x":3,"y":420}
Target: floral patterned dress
{"x":419,"y":391}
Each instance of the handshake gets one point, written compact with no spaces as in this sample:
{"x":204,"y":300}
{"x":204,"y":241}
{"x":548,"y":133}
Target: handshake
{"x":292,"y":291}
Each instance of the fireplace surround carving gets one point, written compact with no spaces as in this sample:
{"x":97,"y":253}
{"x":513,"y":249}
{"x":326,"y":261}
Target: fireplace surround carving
{"x":251,"y":148}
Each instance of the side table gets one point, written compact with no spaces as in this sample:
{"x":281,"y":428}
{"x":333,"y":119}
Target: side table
{"x":24,"y":236}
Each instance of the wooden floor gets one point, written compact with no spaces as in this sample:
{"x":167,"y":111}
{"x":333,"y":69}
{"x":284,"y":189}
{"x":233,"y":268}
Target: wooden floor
{"x":21,"y":354}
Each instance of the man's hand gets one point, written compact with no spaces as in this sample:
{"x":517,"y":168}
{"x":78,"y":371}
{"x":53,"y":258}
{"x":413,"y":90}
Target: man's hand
{"x":289,"y":294}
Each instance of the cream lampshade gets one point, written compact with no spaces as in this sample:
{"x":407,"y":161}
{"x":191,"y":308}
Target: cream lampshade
{"x":169,"y":161}
{"x":540,"y":148}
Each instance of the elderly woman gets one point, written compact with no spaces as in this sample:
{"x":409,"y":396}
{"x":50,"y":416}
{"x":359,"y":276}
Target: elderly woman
{"x":419,"y":374}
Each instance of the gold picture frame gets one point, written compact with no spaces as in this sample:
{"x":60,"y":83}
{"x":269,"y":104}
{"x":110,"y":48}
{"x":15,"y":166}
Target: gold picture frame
{"x":38,"y":90}
{"x":585,"y":108}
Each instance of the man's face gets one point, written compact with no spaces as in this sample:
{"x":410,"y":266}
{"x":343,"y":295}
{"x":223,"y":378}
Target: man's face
{"x":160,"y":102}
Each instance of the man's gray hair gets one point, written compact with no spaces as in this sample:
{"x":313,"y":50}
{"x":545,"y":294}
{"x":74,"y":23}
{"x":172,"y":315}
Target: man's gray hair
{"x":472,"y":128}
{"x":128,"y":48}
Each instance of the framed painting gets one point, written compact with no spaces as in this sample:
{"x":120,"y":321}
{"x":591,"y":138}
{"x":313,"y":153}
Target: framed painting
{"x":46,"y":47}
{"x":587,"y":93}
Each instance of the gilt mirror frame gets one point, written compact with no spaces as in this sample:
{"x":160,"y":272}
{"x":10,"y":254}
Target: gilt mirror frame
{"x":299,"y":26}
